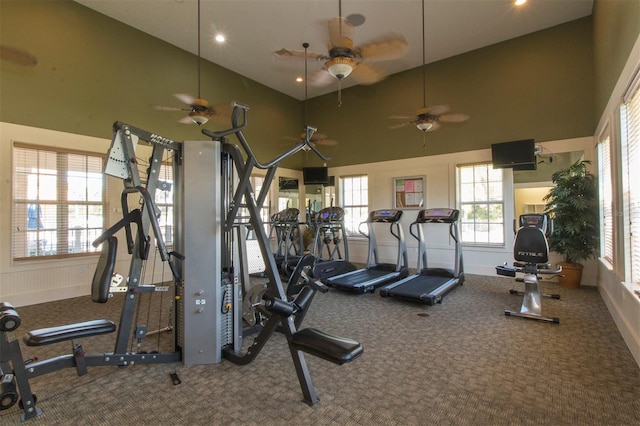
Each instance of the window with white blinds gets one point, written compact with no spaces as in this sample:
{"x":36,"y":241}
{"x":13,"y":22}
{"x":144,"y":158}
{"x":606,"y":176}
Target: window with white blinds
{"x":481,"y":203}
{"x":630,"y":138}
{"x":58,"y":202}
{"x":354,"y":191}
{"x":606,"y":198}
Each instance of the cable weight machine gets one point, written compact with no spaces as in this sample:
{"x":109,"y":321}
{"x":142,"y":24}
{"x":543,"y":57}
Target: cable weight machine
{"x":211,"y":184}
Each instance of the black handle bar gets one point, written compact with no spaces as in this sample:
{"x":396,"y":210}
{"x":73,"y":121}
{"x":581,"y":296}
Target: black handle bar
{"x":240,"y":111}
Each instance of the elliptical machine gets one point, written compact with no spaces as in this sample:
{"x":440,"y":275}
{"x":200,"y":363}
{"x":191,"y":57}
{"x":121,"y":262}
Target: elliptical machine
{"x":531,"y":254}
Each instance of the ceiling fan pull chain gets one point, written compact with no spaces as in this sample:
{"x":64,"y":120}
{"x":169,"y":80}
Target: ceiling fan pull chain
{"x":339,"y":94}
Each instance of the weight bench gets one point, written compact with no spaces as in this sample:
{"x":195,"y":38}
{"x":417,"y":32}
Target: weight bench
{"x":15,"y":374}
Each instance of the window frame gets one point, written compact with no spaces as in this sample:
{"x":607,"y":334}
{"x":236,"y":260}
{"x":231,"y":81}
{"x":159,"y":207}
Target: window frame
{"x":61,"y":202}
{"x":488,"y":202}
{"x":351,"y":228}
{"x":606,"y":196}
{"x":630,"y":134}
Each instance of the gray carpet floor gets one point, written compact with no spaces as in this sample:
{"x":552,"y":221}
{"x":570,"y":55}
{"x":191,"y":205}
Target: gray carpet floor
{"x":462,"y":362}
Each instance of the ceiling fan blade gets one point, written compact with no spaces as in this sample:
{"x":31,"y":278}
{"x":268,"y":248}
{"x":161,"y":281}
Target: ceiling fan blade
{"x":400,"y":117}
{"x":299,"y":54}
{"x":366,"y":74}
{"x":168,"y":108}
{"x":220,"y":114}
{"x":17,"y":56}
{"x":433,"y":110}
{"x":321,"y":78}
{"x":186,"y":120}
{"x":453,"y":118}
{"x":384,"y":50}
{"x":326,"y":142}
{"x":397,"y":126}
{"x":340,"y":33}
{"x":184,"y":97}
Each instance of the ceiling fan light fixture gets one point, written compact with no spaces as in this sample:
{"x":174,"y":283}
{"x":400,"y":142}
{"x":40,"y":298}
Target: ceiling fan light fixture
{"x":198,"y":118}
{"x":424,"y":125}
{"x":340,"y":67}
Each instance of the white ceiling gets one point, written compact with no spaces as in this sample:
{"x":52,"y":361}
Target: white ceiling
{"x":256,"y":28}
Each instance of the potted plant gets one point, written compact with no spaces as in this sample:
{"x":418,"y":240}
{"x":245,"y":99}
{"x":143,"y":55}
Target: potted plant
{"x":572,"y":204}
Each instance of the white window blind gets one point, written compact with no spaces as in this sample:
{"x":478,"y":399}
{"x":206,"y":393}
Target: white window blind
{"x":58,"y":202}
{"x":630,"y":129}
{"x":606,"y":198}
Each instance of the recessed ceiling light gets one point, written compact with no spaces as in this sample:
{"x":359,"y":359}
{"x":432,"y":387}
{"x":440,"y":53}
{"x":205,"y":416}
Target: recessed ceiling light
{"x":220,"y":38}
{"x":299,"y":79}
{"x":519,"y":2}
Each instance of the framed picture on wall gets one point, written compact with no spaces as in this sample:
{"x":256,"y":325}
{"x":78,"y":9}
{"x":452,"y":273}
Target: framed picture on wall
{"x":409,"y":192}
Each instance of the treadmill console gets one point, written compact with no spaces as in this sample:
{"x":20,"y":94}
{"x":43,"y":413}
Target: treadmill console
{"x":438,"y":215}
{"x":330,"y":214}
{"x":391,"y":216}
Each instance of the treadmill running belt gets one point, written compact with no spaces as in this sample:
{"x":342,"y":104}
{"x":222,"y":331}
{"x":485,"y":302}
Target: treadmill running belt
{"x":419,"y":287}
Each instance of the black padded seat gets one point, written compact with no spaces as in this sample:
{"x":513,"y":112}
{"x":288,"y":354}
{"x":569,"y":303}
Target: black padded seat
{"x":46,"y":336}
{"x":338,"y":350}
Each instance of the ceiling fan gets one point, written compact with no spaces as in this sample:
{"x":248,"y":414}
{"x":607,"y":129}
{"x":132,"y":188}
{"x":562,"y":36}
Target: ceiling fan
{"x":316,"y":138}
{"x":428,"y":118}
{"x":17,"y":56}
{"x":343,"y":59}
{"x":199,"y":110}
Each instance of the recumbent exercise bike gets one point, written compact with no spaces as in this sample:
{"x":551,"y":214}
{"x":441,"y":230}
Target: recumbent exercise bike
{"x":531,"y":254}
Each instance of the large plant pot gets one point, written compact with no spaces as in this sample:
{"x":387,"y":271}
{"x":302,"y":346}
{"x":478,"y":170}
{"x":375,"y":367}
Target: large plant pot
{"x":571,"y":275}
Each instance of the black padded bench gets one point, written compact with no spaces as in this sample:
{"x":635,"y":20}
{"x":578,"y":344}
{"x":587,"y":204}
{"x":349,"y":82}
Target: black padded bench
{"x":46,"y":336}
{"x":338,"y":350}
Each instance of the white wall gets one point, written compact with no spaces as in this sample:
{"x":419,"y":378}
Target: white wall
{"x":439,"y":171}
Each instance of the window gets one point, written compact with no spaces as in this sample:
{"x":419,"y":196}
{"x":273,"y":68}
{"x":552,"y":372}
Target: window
{"x":606,"y":198}
{"x":480,"y":198}
{"x":355,"y":202}
{"x":257,"y":182}
{"x":58,"y":202}
{"x":630,"y":138}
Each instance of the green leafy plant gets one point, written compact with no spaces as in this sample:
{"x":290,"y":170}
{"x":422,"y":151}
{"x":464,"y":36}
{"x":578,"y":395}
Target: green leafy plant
{"x":572,"y":204}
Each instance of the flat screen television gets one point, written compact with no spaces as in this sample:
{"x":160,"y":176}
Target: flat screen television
{"x":516,"y":155}
{"x":315,"y":175}
{"x":287,"y":184}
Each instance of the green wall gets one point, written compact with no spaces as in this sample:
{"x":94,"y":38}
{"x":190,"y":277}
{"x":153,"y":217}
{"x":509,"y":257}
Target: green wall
{"x":93,"y":70}
{"x":536,"y":86}
{"x":616,"y":26}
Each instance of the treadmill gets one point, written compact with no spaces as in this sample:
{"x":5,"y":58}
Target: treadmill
{"x":330,"y":246}
{"x":429,"y":285}
{"x":376,"y":274}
